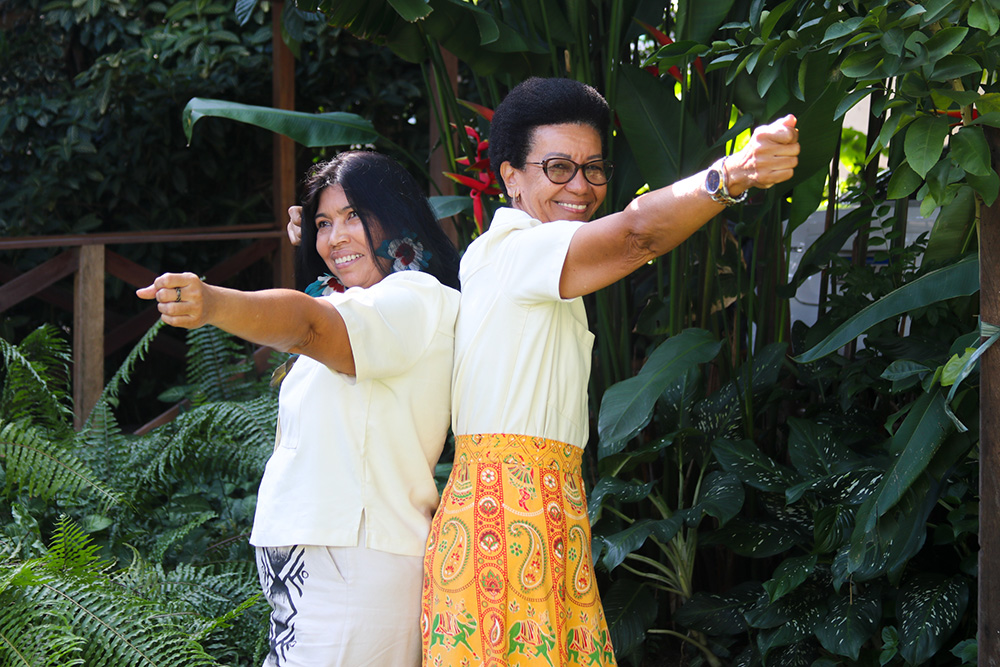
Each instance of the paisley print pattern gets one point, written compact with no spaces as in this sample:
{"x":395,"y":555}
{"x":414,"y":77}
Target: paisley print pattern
{"x":508,"y":569}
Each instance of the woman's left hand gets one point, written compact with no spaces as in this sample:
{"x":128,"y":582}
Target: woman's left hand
{"x":181,"y":298}
{"x":769,"y":158}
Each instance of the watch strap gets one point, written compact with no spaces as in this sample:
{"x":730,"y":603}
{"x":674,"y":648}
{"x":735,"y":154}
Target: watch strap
{"x":722,"y":195}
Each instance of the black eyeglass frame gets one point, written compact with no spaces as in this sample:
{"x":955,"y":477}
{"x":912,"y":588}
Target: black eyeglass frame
{"x":609,"y":169}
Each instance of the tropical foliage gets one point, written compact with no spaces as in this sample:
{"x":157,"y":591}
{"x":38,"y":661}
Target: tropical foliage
{"x":825,"y":489}
{"x":130,"y":550}
{"x":762,"y":491}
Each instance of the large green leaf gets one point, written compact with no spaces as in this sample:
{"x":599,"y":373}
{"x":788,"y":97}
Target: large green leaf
{"x":722,"y":497}
{"x":651,"y":118}
{"x":831,"y":527}
{"x":959,"y":279}
{"x":411,"y":10}
{"x":813,"y":449}
{"x":944,"y":41}
{"x":913,"y":446}
{"x":952,"y":227}
{"x":335,"y":128}
{"x":924,"y":142}
{"x":903,"y":182}
{"x":619,"y":545}
{"x":970,"y":150}
{"x":719,"y":614}
{"x":852,"y":621}
{"x":897,"y":536}
{"x":985,"y":16}
{"x":628,"y":406}
{"x":445,"y":206}
{"x":789,"y":575}
{"x":697,"y":21}
{"x":798,"y":613}
{"x":954,"y":66}
{"x":754,"y":468}
{"x":720,"y":415}
{"x":929,"y":609}
{"x":630,"y":491}
{"x":754,"y":539}
{"x":852,"y":487}
{"x":630,"y":609}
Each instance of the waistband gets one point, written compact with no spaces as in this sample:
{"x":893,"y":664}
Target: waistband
{"x":525,"y":449}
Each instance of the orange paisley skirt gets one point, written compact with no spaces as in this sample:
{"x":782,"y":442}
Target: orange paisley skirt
{"x":508,"y":572}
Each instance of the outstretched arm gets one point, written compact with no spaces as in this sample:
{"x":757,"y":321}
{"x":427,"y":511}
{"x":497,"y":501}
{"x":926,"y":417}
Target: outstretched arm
{"x":284,"y":319}
{"x":610,"y":248}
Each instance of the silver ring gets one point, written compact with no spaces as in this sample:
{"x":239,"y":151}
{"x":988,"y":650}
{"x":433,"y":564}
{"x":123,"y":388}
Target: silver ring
{"x":178,"y":299}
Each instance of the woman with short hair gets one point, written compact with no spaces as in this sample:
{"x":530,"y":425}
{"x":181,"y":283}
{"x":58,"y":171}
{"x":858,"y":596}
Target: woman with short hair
{"x":508,"y":569}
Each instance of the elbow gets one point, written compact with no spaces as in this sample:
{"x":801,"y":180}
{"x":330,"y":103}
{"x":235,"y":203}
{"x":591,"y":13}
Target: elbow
{"x":640,"y":248}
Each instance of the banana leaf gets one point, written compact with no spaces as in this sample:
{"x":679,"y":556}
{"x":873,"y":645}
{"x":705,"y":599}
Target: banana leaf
{"x":959,"y":279}
{"x":335,"y":128}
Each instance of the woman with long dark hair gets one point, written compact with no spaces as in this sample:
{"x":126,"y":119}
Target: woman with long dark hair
{"x":345,"y":503}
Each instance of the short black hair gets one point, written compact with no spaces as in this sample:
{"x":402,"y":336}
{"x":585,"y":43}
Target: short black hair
{"x":383,"y":194}
{"x":535,"y":102}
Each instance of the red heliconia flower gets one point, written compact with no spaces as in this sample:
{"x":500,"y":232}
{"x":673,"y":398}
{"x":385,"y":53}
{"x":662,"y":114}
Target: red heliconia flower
{"x":485,"y":181}
{"x":663,"y":40}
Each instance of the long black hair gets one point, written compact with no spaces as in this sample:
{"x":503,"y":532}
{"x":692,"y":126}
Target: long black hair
{"x":536,"y":102}
{"x":385,"y":196}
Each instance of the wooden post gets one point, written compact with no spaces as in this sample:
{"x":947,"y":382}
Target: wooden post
{"x":88,"y":332}
{"x":282,"y":97}
{"x":989,"y":427}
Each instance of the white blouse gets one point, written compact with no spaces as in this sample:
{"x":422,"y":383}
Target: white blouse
{"x":353,"y":449}
{"x":522,"y":353}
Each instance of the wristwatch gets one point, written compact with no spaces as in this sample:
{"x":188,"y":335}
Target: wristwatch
{"x":715,"y":185}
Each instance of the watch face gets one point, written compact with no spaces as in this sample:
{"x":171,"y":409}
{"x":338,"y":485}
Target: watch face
{"x":713,"y":180}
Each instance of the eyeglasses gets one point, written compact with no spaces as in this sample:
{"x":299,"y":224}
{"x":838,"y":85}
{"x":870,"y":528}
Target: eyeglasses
{"x":559,"y":170}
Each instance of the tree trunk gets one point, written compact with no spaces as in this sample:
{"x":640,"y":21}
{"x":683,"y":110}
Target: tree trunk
{"x":989,"y":428}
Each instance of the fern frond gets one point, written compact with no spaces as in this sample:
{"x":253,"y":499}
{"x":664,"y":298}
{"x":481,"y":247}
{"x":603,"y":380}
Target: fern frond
{"x":222,"y":603}
{"x":218,"y":366}
{"x":211,"y":591}
{"x":171,"y":537}
{"x":101,"y":443}
{"x":72,"y":552}
{"x":116,"y":628}
{"x":224,"y":622}
{"x":122,"y":375}
{"x":43,"y":467}
{"x":229,"y":438}
{"x":33,"y":635}
{"x":119,"y":630}
{"x":35,"y":379}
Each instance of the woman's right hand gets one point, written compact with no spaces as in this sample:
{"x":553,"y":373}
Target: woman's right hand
{"x":180,"y":298}
{"x":769,"y":158}
{"x":294,"y":227}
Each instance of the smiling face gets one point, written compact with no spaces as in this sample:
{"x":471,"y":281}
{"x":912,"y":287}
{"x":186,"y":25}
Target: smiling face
{"x":341,"y":240}
{"x":532,"y":192}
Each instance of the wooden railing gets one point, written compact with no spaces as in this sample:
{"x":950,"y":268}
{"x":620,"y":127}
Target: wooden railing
{"x":97,"y":332}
